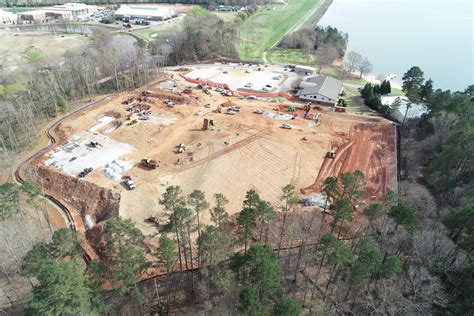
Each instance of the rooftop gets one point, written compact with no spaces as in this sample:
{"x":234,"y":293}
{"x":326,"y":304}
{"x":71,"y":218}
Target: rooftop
{"x":322,"y":85}
{"x":144,"y":10}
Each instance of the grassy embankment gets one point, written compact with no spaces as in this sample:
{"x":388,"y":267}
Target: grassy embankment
{"x":19,"y":10}
{"x":267,"y":26}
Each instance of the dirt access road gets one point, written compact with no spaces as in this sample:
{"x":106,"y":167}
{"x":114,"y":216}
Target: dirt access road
{"x":294,"y":28}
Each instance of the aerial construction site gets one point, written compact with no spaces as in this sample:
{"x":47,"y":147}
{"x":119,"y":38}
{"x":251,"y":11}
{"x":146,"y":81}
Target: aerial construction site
{"x":117,"y":156}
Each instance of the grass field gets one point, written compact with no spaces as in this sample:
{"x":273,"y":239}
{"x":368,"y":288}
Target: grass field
{"x":290,"y":56}
{"x":268,"y":25}
{"x":19,"y":10}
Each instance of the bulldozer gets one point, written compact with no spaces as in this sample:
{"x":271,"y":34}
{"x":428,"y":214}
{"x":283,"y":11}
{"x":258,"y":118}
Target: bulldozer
{"x":149,"y":163}
{"x":132,"y":122}
{"x":331,"y":154}
{"x":209,"y":124}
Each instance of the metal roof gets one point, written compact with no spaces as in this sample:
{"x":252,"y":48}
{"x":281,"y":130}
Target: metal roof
{"x":326,"y":86}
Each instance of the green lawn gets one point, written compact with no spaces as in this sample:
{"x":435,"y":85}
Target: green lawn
{"x":33,"y":54}
{"x":159,"y":32}
{"x":397,"y":92}
{"x":259,"y":32}
{"x":290,"y":56}
{"x":19,"y":10}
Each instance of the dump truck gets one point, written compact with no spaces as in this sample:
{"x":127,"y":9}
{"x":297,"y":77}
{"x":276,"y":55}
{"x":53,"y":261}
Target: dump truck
{"x":149,"y":163}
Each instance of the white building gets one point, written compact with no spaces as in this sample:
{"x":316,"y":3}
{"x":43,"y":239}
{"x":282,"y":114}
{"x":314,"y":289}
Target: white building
{"x":75,"y":9}
{"x":321,"y":90}
{"x":414,"y":111}
{"x":147,"y":12}
{"x":304,"y":69}
{"x":7,"y":17}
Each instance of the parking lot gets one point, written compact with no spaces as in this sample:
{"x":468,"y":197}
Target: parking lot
{"x":257,"y":78}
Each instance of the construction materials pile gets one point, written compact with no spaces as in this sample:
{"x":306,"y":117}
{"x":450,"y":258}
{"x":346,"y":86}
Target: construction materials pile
{"x":114,"y":169}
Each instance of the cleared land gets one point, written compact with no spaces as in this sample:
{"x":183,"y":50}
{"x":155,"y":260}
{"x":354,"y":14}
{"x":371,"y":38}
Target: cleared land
{"x":266,"y":27}
{"x":19,"y":48}
{"x":245,"y":150}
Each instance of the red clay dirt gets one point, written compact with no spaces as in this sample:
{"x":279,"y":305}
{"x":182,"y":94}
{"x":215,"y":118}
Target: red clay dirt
{"x":363,"y":149}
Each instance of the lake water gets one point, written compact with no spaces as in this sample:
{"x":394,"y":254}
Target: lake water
{"x":436,"y":35}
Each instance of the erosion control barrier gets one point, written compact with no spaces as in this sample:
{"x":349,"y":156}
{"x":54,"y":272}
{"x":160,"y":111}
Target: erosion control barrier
{"x":241,"y":93}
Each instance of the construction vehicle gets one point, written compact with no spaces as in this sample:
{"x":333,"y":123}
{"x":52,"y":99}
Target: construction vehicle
{"x":181,"y":148}
{"x":152,"y":220}
{"x":130,"y":184}
{"x":209,"y":124}
{"x":93,"y":144}
{"x":149,"y":163}
{"x":331,"y":154}
{"x":132,"y":122}
{"x":169,"y":103}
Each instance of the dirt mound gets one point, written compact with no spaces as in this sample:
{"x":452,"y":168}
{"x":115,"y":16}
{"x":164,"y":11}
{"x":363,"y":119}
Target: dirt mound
{"x":85,"y":197}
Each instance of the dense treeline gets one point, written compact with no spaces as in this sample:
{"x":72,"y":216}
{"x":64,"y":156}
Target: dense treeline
{"x":203,"y":36}
{"x":316,"y":38}
{"x":328,"y":43}
{"x":440,"y":147}
{"x":266,"y":260}
{"x":371,"y":95}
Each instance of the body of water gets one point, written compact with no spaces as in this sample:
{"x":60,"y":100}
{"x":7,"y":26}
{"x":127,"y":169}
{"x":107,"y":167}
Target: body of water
{"x":436,"y":35}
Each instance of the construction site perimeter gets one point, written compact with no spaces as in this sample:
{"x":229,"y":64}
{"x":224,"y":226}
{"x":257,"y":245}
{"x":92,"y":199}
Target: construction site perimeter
{"x":205,"y":138}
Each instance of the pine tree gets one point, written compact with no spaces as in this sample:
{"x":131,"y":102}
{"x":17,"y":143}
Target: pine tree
{"x":167,"y":255}
{"x":246,"y":222}
{"x":289,"y":200}
{"x":219,"y":216}
{"x":123,"y":259}
{"x":62,"y":290}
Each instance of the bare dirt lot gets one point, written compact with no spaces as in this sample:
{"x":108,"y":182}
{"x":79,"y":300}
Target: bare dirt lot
{"x":244,"y":151}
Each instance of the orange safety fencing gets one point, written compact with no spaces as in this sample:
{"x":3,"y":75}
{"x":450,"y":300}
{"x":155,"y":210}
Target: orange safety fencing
{"x":246,"y":94}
